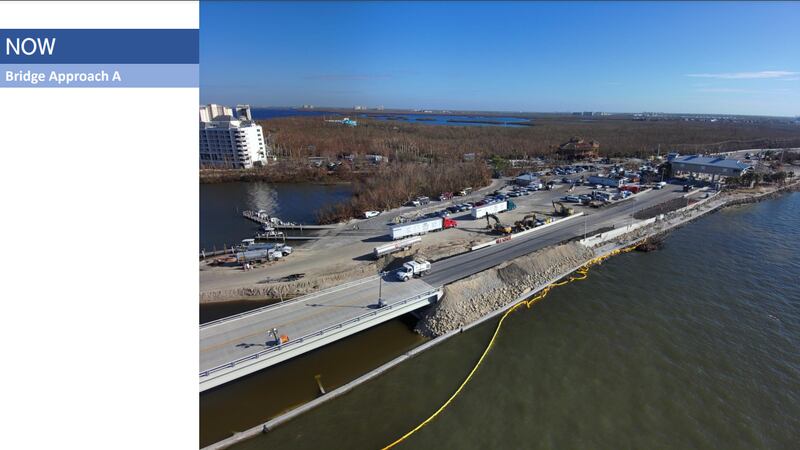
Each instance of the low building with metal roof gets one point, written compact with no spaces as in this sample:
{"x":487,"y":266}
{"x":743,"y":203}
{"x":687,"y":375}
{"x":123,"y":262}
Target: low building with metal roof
{"x":709,"y":165}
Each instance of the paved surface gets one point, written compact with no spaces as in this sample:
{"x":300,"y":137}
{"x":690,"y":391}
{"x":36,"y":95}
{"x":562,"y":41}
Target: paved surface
{"x":223,"y":343}
{"x":234,"y":339}
{"x":466,"y":264}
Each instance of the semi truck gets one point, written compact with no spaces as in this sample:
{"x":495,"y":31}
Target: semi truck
{"x":277,"y":251}
{"x":405,"y":244}
{"x":419,"y":227}
{"x":492,"y":208}
{"x":606,"y":181}
{"x":413,"y":269}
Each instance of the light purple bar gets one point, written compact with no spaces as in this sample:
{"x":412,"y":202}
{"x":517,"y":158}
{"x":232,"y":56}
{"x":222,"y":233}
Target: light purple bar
{"x":131,"y":75}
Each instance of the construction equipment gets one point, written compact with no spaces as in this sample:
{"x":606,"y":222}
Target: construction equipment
{"x":562,"y":210}
{"x":498,"y":227}
{"x":526,"y":223}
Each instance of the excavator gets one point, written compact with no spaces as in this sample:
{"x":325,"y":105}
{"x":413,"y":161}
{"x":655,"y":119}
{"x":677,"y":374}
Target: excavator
{"x":562,"y":210}
{"x":527,"y":222}
{"x":498,"y":227}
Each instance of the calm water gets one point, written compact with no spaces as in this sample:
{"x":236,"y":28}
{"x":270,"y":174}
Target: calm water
{"x":693,"y":346}
{"x":452,"y":120}
{"x":221,"y":207}
{"x":269,"y":113}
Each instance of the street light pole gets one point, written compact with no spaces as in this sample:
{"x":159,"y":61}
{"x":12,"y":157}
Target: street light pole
{"x":380,"y":288}
{"x":585,"y":218}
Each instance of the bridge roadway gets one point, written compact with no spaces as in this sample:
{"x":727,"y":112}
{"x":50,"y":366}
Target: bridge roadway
{"x":244,"y":336}
{"x":228,"y":347}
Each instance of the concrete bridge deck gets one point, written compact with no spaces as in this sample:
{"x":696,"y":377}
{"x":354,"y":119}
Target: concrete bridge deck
{"x":241,"y":344}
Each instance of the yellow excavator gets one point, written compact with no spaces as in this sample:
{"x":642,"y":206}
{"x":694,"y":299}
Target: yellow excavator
{"x":526,"y":223}
{"x":562,"y":210}
{"x":498,"y":227}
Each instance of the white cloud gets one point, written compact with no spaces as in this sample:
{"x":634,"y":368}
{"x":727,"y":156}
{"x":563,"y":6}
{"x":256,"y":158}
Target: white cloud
{"x":783,"y":74}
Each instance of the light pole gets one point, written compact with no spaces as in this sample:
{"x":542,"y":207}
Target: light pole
{"x":381,"y":274}
{"x":585,"y":218}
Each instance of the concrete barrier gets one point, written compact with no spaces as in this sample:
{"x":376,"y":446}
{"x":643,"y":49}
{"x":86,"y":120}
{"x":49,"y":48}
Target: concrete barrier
{"x":608,"y":235}
{"x":522,"y":233}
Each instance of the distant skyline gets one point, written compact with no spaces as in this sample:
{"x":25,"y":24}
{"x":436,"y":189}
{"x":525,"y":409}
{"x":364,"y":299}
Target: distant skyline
{"x":699,"y":58}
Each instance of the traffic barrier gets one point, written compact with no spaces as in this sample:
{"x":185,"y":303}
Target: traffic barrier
{"x":522,"y":233}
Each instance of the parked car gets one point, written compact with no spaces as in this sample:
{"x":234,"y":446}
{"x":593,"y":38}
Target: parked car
{"x":370,"y":214}
{"x":572,"y":199}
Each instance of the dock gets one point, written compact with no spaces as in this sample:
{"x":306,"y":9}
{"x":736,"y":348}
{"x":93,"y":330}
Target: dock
{"x":286,"y":238}
{"x":265,"y":220}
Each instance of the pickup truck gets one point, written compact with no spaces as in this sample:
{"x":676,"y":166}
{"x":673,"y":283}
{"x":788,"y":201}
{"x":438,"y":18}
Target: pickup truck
{"x":413,"y":269}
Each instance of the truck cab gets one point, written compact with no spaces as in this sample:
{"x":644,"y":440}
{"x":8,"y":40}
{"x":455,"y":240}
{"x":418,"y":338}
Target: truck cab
{"x":413,"y":269}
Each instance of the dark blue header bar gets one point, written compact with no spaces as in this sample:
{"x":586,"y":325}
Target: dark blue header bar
{"x":99,"y":46}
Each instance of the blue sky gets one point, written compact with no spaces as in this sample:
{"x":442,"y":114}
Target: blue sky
{"x":732,"y":58}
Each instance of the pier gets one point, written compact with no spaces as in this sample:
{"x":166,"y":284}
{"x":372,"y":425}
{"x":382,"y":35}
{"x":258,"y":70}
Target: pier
{"x":263,"y":219}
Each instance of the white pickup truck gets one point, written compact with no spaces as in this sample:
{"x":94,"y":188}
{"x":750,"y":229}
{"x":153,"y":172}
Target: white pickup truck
{"x":413,"y":269}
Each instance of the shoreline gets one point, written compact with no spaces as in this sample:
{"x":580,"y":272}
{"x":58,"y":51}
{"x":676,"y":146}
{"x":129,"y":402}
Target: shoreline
{"x":676,"y":219}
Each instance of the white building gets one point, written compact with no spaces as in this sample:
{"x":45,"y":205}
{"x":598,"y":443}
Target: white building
{"x":212,"y":111}
{"x":229,"y":142}
{"x":243,"y":112}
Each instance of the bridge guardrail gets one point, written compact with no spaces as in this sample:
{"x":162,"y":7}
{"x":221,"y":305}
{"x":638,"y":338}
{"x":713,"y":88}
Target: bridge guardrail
{"x":301,"y":339}
{"x":336,"y":288}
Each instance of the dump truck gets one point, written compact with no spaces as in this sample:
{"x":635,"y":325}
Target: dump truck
{"x":404,"y":244}
{"x":420,"y":227}
{"x":412,"y":269}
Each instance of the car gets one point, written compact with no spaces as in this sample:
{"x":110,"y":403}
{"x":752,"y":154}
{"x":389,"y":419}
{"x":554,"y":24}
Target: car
{"x":453,"y":208}
{"x":565,"y":180}
{"x":480,"y":203}
{"x":370,"y":214}
{"x":572,"y":199}
{"x":585,"y":198}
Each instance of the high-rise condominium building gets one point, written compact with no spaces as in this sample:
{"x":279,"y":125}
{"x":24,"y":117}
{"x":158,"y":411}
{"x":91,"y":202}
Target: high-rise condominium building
{"x":226,"y":141}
